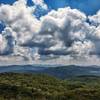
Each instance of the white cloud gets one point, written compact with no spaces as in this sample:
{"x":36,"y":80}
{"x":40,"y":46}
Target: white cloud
{"x":40,"y":3}
{"x":3,"y":44}
{"x":62,"y":33}
{"x":19,"y":18}
{"x":95,"y":19}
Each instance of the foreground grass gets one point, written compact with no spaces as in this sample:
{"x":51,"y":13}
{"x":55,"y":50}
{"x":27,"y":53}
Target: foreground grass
{"x":15,"y":86}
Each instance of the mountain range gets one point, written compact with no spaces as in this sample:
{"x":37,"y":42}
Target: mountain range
{"x":62,"y":72}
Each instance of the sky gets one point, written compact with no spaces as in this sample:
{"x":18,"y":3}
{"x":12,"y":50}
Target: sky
{"x":87,"y":6}
{"x":50,"y":31}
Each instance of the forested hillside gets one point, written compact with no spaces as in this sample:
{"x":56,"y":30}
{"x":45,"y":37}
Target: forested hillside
{"x":15,"y":86}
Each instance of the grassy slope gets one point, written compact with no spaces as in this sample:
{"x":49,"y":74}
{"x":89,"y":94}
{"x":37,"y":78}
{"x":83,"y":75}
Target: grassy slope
{"x":43,"y":87}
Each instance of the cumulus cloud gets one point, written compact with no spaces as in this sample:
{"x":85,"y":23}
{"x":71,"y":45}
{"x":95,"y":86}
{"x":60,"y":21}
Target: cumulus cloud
{"x":40,"y":3}
{"x":3,"y":44}
{"x":65,"y":33}
{"x":21,"y":25}
{"x":6,"y":41}
{"x":95,"y":19}
{"x":62,"y":33}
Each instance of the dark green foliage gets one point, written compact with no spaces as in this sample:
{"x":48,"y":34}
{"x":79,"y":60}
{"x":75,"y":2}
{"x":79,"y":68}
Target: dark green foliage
{"x":15,"y":86}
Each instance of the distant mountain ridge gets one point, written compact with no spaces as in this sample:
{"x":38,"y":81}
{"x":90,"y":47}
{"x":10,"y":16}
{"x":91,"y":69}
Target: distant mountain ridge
{"x":60,"y":71}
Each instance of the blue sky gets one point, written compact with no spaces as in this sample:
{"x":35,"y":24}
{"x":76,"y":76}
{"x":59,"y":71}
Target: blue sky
{"x":7,"y":1}
{"x":88,"y":6}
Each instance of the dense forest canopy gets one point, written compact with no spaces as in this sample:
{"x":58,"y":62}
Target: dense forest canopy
{"x":15,"y":86}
